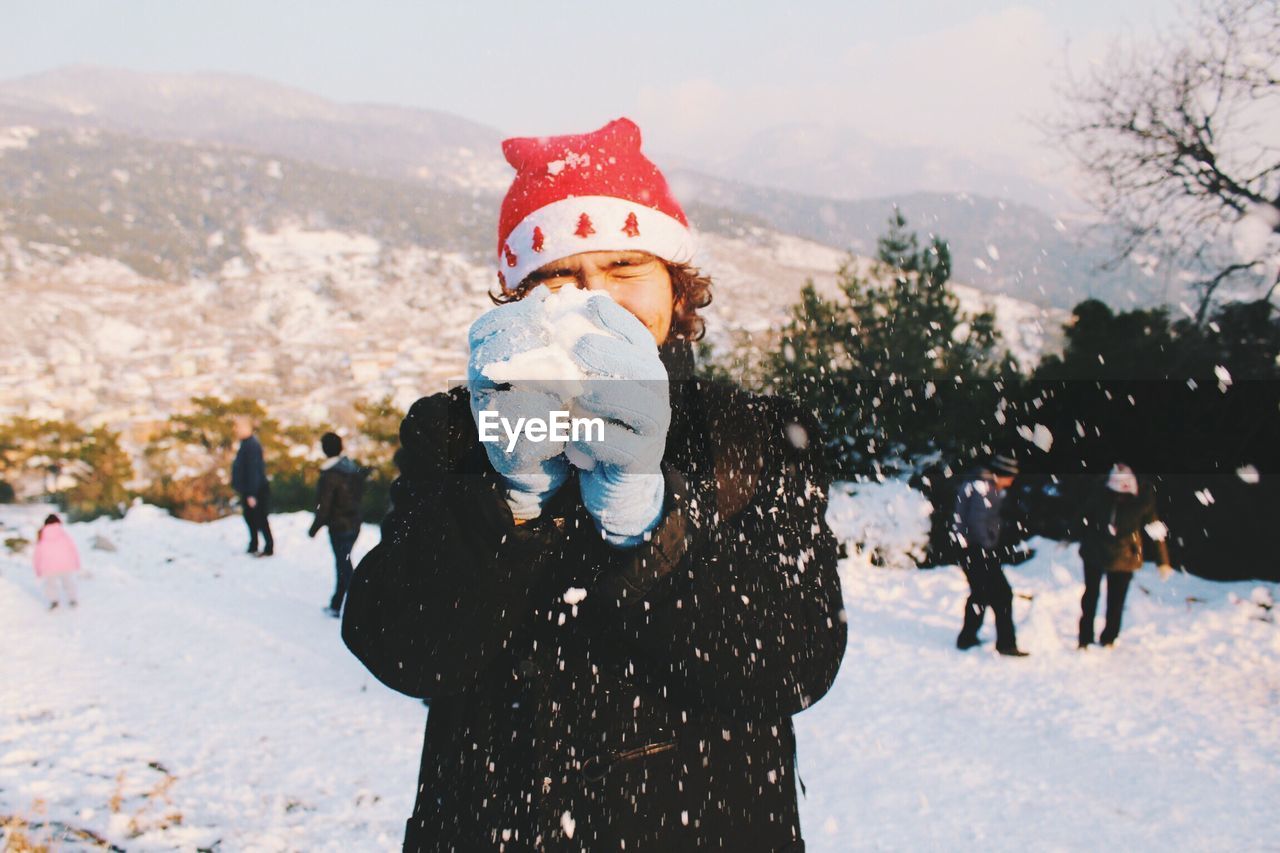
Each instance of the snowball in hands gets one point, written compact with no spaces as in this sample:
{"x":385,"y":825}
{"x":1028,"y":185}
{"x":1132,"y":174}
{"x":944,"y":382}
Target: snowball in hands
{"x":570,"y":348}
{"x":562,"y":318}
{"x":562,"y":322}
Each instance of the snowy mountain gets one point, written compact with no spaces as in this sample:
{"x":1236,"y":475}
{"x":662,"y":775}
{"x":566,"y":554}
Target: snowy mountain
{"x":199,"y":699}
{"x":824,"y":184}
{"x":838,"y":162}
{"x":439,"y":148}
{"x":141,"y":272}
{"x":999,"y":246}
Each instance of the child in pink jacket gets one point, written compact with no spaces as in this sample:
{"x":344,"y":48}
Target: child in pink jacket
{"x":56,"y":561}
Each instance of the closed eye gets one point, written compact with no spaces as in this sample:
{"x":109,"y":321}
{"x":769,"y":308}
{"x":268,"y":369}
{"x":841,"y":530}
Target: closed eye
{"x":632,"y":267}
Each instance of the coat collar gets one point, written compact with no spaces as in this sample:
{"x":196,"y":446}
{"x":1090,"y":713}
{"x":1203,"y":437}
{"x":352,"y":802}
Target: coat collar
{"x":677,"y":358}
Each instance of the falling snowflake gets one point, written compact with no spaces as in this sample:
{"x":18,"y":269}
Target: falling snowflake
{"x":1040,"y":436}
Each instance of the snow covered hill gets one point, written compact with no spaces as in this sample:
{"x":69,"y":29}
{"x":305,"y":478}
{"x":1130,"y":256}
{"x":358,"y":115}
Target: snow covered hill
{"x":144,"y":265}
{"x":430,"y":146}
{"x":199,"y":698}
{"x":186,"y":270}
{"x":191,"y":665}
{"x":1000,"y":246}
{"x":817,"y":182}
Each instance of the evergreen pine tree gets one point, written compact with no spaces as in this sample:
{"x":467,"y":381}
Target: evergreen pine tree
{"x":894,"y":369}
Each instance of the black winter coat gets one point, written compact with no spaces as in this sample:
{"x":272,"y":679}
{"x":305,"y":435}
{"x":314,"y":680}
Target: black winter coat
{"x":1115,"y":530}
{"x":249,"y":470}
{"x":338,"y":494}
{"x":653,"y":715}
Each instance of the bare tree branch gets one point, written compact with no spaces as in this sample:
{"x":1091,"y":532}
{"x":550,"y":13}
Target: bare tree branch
{"x":1178,"y":139}
{"x":1210,"y":285}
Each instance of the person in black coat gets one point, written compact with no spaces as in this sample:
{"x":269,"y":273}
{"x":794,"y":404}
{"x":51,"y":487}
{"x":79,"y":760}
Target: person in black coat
{"x":976,"y":526}
{"x":1119,"y":517}
{"x":338,"y":494}
{"x":249,"y":479}
{"x":589,"y":691}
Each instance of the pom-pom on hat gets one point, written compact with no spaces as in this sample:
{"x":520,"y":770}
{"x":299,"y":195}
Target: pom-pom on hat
{"x":588,"y":192}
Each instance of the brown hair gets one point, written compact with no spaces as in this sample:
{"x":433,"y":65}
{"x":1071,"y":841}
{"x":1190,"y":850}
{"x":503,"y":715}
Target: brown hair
{"x":51,"y":518}
{"x":690,"y":290}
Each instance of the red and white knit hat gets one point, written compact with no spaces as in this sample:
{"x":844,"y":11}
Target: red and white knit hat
{"x":587,"y":192}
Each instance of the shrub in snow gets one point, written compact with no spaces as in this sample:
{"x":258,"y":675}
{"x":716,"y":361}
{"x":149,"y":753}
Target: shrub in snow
{"x":885,"y":522}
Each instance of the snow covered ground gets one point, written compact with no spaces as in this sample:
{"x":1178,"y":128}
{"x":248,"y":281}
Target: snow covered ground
{"x":189,"y":659}
{"x":1166,"y":741}
{"x":196,"y":681}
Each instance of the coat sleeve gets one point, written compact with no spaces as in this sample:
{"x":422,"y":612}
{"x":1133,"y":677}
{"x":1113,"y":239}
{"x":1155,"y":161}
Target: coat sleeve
{"x":1161,"y":545}
{"x":435,"y":602}
{"x":237,"y":470}
{"x":960,"y":515}
{"x":744,"y":613}
{"x":324,"y":503}
{"x":259,"y":469}
{"x":978,"y":516}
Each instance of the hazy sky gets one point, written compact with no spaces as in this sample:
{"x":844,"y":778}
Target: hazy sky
{"x":964,"y":76}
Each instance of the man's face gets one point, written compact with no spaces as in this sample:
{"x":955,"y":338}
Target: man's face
{"x":243,"y":428}
{"x":1004,"y":481}
{"x":637,"y":281}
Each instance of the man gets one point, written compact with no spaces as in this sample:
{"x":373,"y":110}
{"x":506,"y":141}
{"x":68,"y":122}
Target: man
{"x":976,"y":528}
{"x":1118,"y":517}
{"x":249,"y":479}
{"x":338,"y":495}
{"x":613,"y":648}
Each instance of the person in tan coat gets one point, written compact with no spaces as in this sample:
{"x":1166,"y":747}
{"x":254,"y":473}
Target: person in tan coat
{"x":1119,"y":519}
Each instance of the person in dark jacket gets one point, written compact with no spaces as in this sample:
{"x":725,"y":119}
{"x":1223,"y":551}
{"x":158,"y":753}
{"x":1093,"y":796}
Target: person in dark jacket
{"x":593,"y":687}
{"x":338,"y":494}
{"x":249,"y":479}
{"x":976,"y":527}
{"x":1119,"y":517}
